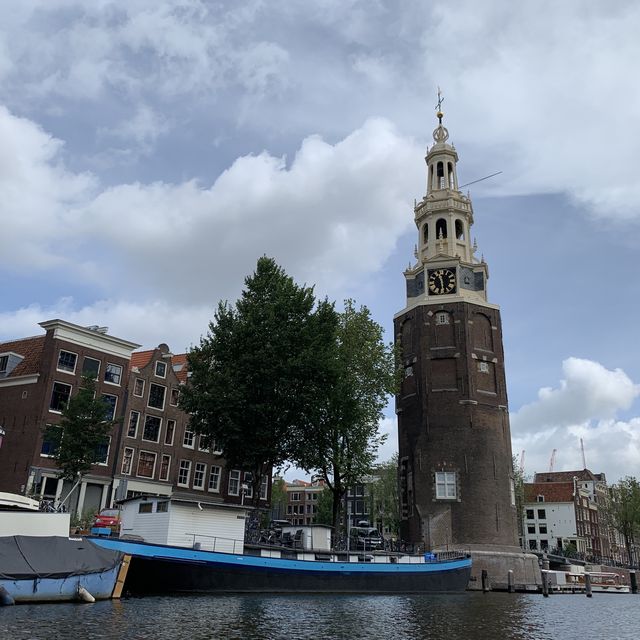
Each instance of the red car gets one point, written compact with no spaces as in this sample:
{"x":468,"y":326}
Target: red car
{"x":108,"y":518}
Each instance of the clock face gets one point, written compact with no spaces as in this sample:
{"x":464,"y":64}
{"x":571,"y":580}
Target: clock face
{"x":442,"y":281}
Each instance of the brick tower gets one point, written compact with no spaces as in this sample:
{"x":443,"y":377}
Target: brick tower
{"x":455,"y":464}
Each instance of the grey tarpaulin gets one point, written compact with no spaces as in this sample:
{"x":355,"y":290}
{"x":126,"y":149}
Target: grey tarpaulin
{"x":23,"y":557}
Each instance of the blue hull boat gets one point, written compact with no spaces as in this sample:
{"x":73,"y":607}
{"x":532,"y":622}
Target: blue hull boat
{"x":159,"y":568}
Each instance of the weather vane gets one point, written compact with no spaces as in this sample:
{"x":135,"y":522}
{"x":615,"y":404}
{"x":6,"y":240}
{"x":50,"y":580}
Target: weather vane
{"x":439,"y":106}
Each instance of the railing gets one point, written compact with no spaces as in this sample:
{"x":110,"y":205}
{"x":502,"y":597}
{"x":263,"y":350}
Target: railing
{"x":218,"y":543}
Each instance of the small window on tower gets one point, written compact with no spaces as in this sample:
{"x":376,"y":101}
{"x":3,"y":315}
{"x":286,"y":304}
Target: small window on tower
{"x":451,"y":182}
{"x":442,"y":317}
{"x":459,"y":230}
{"x":425,"y":233}
{"x":483,"y":367}
{"x":446,"y":488}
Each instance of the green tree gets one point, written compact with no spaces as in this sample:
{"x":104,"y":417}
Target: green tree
{"x":254,"y":379}
{"x":279,"y":498}
{"x":83,"y":432}
{"x":383,"y":491}
{"x":518,"y":487}
{"x":623,"y":512}
{"x":341,"y":447}
{"x":324,"y":513}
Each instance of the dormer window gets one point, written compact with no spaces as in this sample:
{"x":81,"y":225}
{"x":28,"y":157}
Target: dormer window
{"x":161,"y":369}
{"x":4,"y":363}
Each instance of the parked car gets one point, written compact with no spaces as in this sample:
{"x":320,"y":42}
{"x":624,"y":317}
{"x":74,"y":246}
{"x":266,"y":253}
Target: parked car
{"x":108,"y":518}
{"x":366,"y":538}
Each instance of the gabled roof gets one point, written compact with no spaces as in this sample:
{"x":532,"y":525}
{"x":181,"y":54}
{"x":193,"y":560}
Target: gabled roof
{"x":566,"y":476}
{"x":31,"y":351}
{"x":141,"y":359}
{"x":552,"y":491}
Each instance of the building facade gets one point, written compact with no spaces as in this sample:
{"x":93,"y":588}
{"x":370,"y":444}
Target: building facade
{"x":38,"y":375}
{"x":455,"y":464}
{"x":151,"y":450}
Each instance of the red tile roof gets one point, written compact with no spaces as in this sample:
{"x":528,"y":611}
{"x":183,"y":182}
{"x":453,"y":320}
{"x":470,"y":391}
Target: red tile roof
{"x":30,"y":349}
{"x":552,"y":491}
{"x":179,"y":363}
{"x":141,"y":359}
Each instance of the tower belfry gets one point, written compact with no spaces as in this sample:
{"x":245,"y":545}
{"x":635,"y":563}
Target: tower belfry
{"x":455,"y":464}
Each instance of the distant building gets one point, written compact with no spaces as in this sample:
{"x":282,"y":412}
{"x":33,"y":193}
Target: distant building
{"x":565,"y":508}
{"x":302,"y":501}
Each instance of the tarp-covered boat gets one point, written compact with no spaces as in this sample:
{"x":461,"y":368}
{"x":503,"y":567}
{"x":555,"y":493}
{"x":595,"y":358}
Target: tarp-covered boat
{"x":51,"y":569}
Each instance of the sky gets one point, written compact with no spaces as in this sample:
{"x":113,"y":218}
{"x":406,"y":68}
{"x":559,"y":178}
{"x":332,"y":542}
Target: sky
{"x":151,"y":151}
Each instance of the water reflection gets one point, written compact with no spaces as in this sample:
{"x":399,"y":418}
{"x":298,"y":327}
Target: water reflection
{"x":472,"y":615}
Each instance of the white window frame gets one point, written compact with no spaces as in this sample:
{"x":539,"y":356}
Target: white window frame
{"x":155,"y":369}
{"x":446,"y":485}
{"x":135,"y":433}
{"x":214,"y":472}
{"x":177,"y":396}
{"x":247,"y":481}
{"x":94,"y":360}
{"x":202,"y":437}
{"x":264,"y":487}
{"x":172,"y":432}
{"x":115,"y":406}
{"x":295,"y":496}
{"x":135,"y":382}
{"x":199,"y":468}
{"x":185,"y":465}
{"x":4,"y":362}
{"x":106,"y":458}
{"x":442,"y":317}
{"x":108,"y":373}
{"x":164,"y":396}
{"x":65,"y":384}
{"x":234,"y":476}
{"x":75,"y":362}
{"x":155,"y":461}
{"x":166,"y":477}
{"x":124,"y":470}
{"x":145,"y":424}
{"x":191,"y":437}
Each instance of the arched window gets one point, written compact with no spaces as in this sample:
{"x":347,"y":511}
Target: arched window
{"x":452,"y":184}
{"x":441,"y":228}
{"x":425,"y":233}
{"x":440,"y":174}
{"x":459,"y":230}
{"x":482,"y":332}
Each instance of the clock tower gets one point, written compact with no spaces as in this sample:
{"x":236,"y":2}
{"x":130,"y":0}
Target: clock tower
{"x":455,"y":464}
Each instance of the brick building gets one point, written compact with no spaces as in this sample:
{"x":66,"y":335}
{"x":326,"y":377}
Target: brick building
{"x":150,"y":451}
{"x":158,"y":454}
{"x":37,"y":377}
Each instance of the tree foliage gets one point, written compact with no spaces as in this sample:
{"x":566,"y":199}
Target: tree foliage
{"x":383,"y":491}
{"x":341,"y":446}
{"x":83,"y":431}
{"x":324,"y":508}
{"x":279,"y":498}
{"x":623,"y":512}
{"x":254,"y":379}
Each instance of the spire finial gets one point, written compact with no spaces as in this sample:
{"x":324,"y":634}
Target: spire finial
{"x":439,"y":106}
{"x":440,"y":133}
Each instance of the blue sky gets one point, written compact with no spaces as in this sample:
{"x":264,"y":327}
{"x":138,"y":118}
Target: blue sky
{"x":151,"y":152}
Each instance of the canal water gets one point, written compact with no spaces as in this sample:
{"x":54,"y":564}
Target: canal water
{"x":492,"y":616}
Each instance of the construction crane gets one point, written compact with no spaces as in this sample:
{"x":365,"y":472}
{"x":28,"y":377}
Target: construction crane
{"x":552,"y":461}
{"x":584,"y":460}
{"x":521,"y":466}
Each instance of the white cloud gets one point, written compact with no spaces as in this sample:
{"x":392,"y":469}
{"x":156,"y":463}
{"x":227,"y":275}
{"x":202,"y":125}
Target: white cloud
{"x":148,"y":323}
{"x":331,"y":217}
{"x":583,"y":406}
